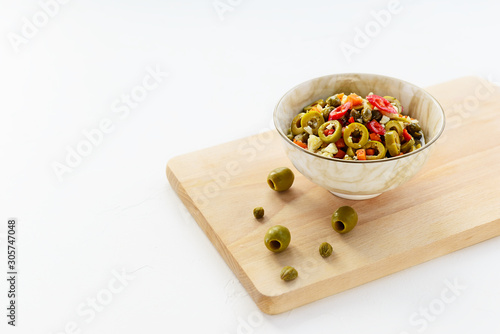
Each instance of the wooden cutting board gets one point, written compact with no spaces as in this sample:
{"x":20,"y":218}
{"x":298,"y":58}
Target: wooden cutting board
{"x":452,"y":203}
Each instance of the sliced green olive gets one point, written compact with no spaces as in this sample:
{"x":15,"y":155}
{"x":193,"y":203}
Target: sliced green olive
{"x":378,"y":147}
{"x":313,"y":119}
{"x":344,"y":219}
{"x":350,"y":152}
{"x":415,"y":130}
{"x":334,"y":101}
{"x":401,"y":119}
{"x":277,"y":238}
{"x":361,"y":129}
{"x":280,"y":179}
{"x":334,"y":136}
{"x":395,"y":102}
{"x":406,"y":147}
{"x":394,"y":125}
{"x":392,"y":143}
{"x":297,"y":125}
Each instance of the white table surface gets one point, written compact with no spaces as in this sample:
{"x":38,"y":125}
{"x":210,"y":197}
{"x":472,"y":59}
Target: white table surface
{"x":226,"y":70}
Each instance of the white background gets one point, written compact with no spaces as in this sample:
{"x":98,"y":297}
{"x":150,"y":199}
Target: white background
{"x":116,"y":210}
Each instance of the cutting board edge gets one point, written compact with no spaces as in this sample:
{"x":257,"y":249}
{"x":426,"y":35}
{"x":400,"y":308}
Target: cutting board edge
{"x":261,"y":300}
{"x":274,"y":304}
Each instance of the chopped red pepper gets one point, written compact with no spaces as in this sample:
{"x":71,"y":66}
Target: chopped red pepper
{"x":375,"y":127}
{"x":340,"y":155}
{"x":375,"y":137}
{"x":340,"y":143}
{"x":361,"y":154}
{"x":299,"y":143}
{"x":329,"y":132}
{"x":355,"y":99}
{"x":351,"y":120}
{"x":339,"y":112}
{"x":406,"y":135}
{"x":385,"y":107}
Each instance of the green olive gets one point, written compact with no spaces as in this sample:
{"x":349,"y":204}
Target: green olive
{"x":313,"y":119}
{"x":344,"y":219}
{"x":350,"y":129}
{"x":280,"y":179}
{"x":333,"y":101}
{"x":277,"y":238}
{"x":297,"y":125}
{"x":378,"y":147}
{"x":394,"y":125}
{"x":392,"y":143}
{"x":335,"y":136}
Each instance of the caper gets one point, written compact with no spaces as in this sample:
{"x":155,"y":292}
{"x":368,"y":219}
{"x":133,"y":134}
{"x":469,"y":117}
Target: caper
{"x":355,"y":114}
{"x":288,"y":273}
{"x":334,"y":101}
{"x":280,"y":179}
{"x":376,"y":115}
{"x":277,"y":238}
{"x":344,"y":219}
{"x":258,"y":212}
{"x":325,"y":249}
{"x":326,"y":112}
{"x":367,"y":115}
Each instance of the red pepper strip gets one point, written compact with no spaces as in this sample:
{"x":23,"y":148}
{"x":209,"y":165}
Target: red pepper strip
{"x":351,"y":120}
{"x":375,"y":127}
{"x":406,"y":135}
{"x":339,"y":112}
{"x":385,"y":107}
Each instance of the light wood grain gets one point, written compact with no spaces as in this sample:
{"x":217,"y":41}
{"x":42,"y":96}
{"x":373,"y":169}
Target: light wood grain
{"x":454,"y":202}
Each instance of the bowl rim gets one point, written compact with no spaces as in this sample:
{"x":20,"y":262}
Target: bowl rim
{"x":426,"y":145}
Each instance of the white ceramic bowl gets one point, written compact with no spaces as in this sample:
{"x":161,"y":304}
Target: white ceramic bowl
{"x":360,"y":179}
